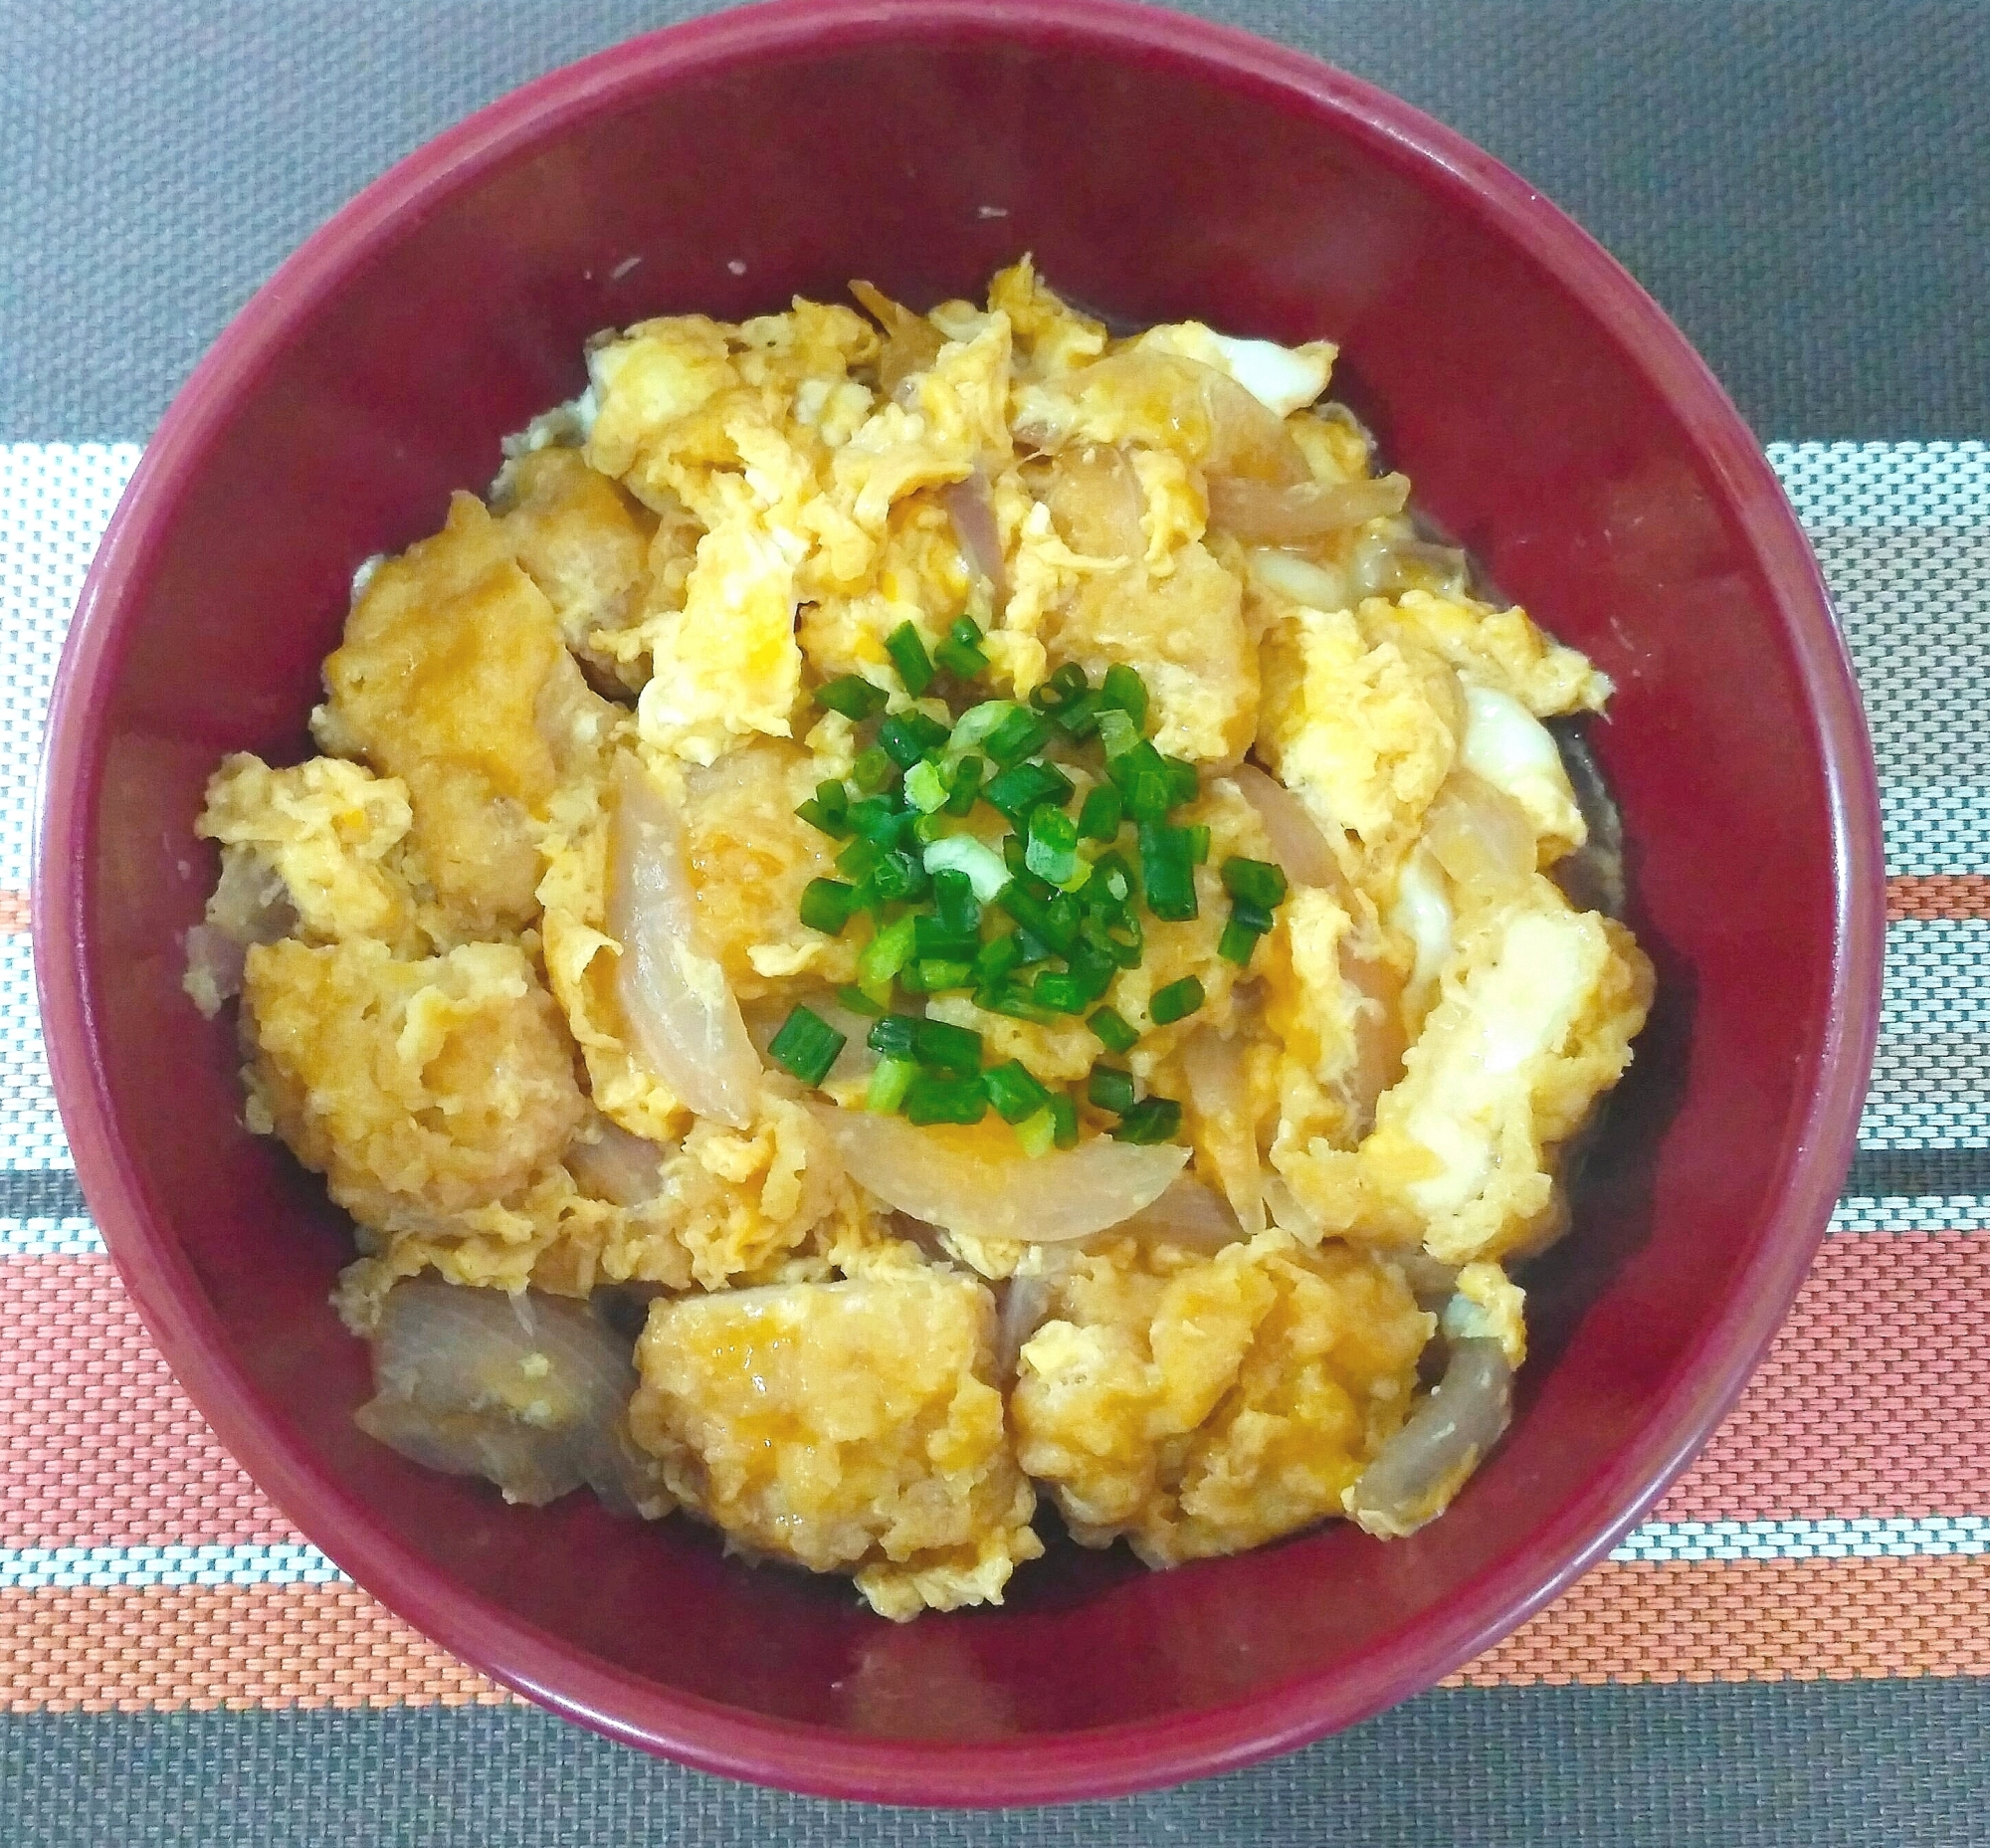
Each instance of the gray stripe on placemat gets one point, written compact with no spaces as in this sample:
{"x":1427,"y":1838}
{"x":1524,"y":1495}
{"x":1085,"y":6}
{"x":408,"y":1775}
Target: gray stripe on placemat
{"x":1757,"y":1766}
{"x":1799,"y":182}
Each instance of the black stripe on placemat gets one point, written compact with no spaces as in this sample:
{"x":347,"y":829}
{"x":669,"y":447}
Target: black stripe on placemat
{"x":41,"y":1193}
{"x":1755,"y":1765}
{"x":1918,"y":1174}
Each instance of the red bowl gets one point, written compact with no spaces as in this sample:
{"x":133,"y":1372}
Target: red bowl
{"x":1551,"y":418}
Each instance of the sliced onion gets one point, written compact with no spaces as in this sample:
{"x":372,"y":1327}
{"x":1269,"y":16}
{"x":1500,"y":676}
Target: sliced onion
{"x":911,"y":342}
{"x":1025,"y":1306}
{"x":458,"y":1388}
{"x":213,"y":964}
{"x":611,"y":1164}
{"x":971,"y":1182}
{"x":1592,"y":876}
{"x":970,"y":504}
{"x":1480,"y":835}
{"x":1096,"y":499}
{"x":1261,"y":514}
{"x":681,"y":1013}
{"x":1447,"y":1436}
{"x":1219,"y":1089}
{"x":1190,"y":1216}
{"x":1298,"y":844}
{"x":1431,"y":1282}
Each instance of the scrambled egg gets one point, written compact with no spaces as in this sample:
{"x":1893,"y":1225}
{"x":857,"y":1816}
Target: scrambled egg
{"x":437,"y":1011}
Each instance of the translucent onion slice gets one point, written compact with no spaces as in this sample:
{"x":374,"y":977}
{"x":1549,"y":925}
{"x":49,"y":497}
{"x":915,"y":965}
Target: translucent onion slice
{"x":462,"y":1385}
{"x":970,"y":504}
{"x":1096,"y":499}
{"x":681,"y":1016}
{"x":1261,"y":514}
{"x":980,"y":1181}
{"x":911,"y":342}
{"x":1025,"y":1306}
{"x":1190,"y":1216}
{"x":1296,"y":842}
{"x":1427,"y":1462}
{"x":1220,"y":1094}
{"x":1480,"y":835}
{"x":611,"y":1164}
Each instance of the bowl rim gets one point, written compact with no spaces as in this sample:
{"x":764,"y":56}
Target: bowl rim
{"x":806,"y":1759}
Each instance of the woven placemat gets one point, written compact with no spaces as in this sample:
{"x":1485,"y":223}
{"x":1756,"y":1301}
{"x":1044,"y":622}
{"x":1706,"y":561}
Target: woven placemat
{"x":1797,"y":1643}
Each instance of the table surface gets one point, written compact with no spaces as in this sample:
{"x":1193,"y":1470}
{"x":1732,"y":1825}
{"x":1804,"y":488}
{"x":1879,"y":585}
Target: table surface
{"x":1795,"y":1647}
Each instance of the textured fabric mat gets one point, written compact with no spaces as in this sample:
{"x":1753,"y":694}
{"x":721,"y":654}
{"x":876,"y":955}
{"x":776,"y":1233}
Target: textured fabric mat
{"x":1795,"y":1646}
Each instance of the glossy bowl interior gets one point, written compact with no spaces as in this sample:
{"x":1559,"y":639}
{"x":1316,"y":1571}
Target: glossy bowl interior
{"x":1158,"y":168}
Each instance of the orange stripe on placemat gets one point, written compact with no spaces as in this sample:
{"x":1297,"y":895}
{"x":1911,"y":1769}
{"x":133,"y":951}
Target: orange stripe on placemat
{"x":1868,"y":1404}
{"x":207,"y":1646}
{"x":104,"y":1449}
{"x":1755,"y":1620}
{"x":1938,"y":895}
{"x":13,"y":910}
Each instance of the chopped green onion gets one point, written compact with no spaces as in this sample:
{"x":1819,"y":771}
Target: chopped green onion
{"x":1052,"y":853}
{"x":926,"y":829}
{"x":821,"y":817}
{"x":997,"y":957}
{"x":1063,"y":1113}
{"x":1021,"y":734}
{"x":1166,"y":871}
{"x":926,"y":788}
{"x":1014,"y":1092}
{"x":858,"y":1003}
{"x":1183,"y":783}
{"x":945,"y":1047}
{"x":930,"y":1098}
{"x":892,"y":1037}
{"x":873,"y":769}
{"x":884,"y":956}
{"x":1236,"y":944}
{"x":1117,"y":734}
{"x":907,"y":737}
{"x":933,"y":937}
{"x":1110,"y":1088}
{"x":807,"y":1044}
{"x":1100,"y":818}
{"x":935,"y":974}
{"x":1127,"y":690}
{"x":1175,"y":1003}
{"x":876,"y":818}
{"x":975,"y":724}
{"x":851,"y":695}
{"x":1040,"y":916}
{"x":1063,"y":687}
{"x":1198,"y":842}
{"x":954,"y":900}
{"x":1112,"y":879}
{"x":1038,"y":1134}
{"x":826,"y":905}
{"x":899,"y":874}
{"x":909,"y":657}
{"x":1255,"y":918}
{"x":889,"y":1082}
{"x":1020,"y":789}
{"x":967,"y":785}
{"x":1152,"y":1119}
{"x":1079,"y":718}
{"x":1033,"y":950}
{"x":1016,"y":854}
{"x":962,"y":852}
{"x":960,"y":654}
{"x":859,"y":860}
{"x":1114,"y":1032}
{"x":1258,"y":881}
{"x":1144,"y":779}
{"x":1010,"y":999}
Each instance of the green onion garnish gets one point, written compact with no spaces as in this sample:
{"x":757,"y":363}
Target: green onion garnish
{"x":1198,"y":842}
{"x":884,"y":956}
{"x":1175,"y":1003}
{"x":909,"y":657}
{"x":1014,"y":1092}
{"x":1252,"y":916}
{"x":887,"y":1085}
{"x":962,"y":852}
{"x":954,"y":898}
{"x":1009,"y":998}
{"x":1183,"y":782}
{"x":1152,"y":1119}
{"x":820,"y":816}
{"x":1063,"y":687}
{"x":1258,"y":881}
{"x":859,"y":859}
{"x":960,"y":652}
{"x":1039,"y":915}
{"x":1116,"y":1033}
{"x":1038,"y":1134}
{"x":1236,"y":944}
{"x":851,"y":695}
{"x":967,"y":784}
{"x":807,"y":1044}
{"x":899,"y":874}
{"x":1110,"y":1088}
{"x":1100,"y":818}
{"x":934,"y":976}
{"x":1021,"y":734}
{"x":892,"y":1037}
{"x":1063,"y":1113}
{"x":926,"y":788}
{"x":1127,"y":690}
{"x":858,"y":1003}
{"x":1079,"y":718}
{"x":930,"y":1098}
{"x":876,"y":818}
{"x":826,"y":905}
{"x":1117,"y":734}
{"x":946,"y":1048}
{"x":1167,"y":872}
{"x":1052,"y":853}
{"x":931,"y":936}
{"x":996,"y":958}
{"x":873,"y":769}
{"x":1020,"y":789}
